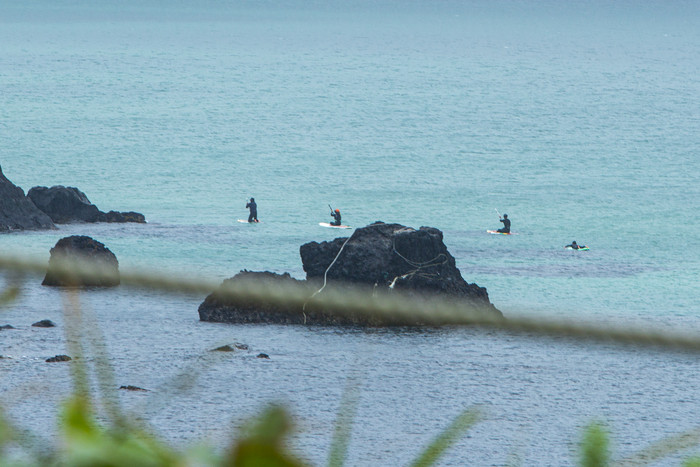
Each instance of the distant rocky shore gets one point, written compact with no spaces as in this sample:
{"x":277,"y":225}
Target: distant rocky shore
{"x":44,"y":207}
{"x":377,"y":259}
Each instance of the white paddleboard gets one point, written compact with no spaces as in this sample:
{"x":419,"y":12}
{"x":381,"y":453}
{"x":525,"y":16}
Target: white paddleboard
{"x":245,"y":221}
{"x":496,"y":232}
{"x":326,"y":224}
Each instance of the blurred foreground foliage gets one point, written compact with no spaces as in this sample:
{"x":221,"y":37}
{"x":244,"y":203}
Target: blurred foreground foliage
{"x":120,"y":441}
{"x":262,"y":443}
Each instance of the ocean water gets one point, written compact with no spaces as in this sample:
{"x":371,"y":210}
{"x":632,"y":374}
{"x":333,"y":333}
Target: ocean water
{"x":580,"y":121}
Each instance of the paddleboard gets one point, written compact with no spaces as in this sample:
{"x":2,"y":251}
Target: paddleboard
{"x":496,"y":232}
{"x":326,"y":224}
{"x":245,"y":221}
{"x":581,"y":248}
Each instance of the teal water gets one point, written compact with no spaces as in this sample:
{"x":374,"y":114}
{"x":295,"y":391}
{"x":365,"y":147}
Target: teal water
{"x":579,"y":121}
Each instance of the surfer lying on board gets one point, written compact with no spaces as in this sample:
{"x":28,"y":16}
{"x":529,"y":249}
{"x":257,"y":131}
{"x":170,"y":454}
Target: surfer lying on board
{"x":252,"y":205}
{"x":506,"y":224}
{"x":574,"y":246}
{"x":335,"y":215}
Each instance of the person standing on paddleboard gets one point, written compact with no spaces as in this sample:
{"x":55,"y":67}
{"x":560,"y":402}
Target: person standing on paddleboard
{"x":335,"y":215}
{"x":506,"y":224}
{"x":252,"y":205}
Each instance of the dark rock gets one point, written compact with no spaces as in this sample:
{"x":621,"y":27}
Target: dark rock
{"x":44,"y":323}
{"x":68,"y":204}
{"x":263,"y":355}
{"x":59,"y":358}
{"x":222,"y":307}
{"x":241,"y":346}
{"x":393,"y":256}
{"x":79,"y":250}
{"x":7,"y":326}
{"x":378,"y":259}
{"x":17,"y":212}
{"x":129,"y":216}
{"x":64,"y":204}
{"x":223,"y":348}
{"x":133,"y":388}
{"x":218,"y":307}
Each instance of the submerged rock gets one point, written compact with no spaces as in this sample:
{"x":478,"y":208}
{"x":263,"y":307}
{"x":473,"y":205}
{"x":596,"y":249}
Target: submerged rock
{"x":81,"y":251}
{"x":44,"y":323}
{"x":59,"y":358}
{"x":18,"y":212}
{"x":132,"y":388}
{"x":378,"y":261}
{"x":68,"y":204}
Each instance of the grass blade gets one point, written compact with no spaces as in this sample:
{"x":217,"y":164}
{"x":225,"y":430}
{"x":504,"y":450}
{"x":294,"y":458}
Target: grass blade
{"x":595,"y":446}
{"x":343,"y":424}
{"x":447,"y":438}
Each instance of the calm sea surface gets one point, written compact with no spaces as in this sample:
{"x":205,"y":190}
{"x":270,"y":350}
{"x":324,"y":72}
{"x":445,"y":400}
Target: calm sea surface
{"x":580,"y":120}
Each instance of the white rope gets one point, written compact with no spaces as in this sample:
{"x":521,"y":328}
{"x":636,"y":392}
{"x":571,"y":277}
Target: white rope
{"x":325,"y":275}
{"x":418,"y":266}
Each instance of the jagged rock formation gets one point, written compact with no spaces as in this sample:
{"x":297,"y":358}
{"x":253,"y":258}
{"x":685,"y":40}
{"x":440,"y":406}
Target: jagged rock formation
{"x":68,"y":204}
{"x":17,"y":212}
{"x":80,"y":250}
{"x":379,"y":258}
{"x":391,"y":256}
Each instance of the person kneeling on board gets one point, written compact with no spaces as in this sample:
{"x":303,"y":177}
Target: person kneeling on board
{"x":506,"y":224}
{"x":335,"y":215}
{"x":252,"y":205}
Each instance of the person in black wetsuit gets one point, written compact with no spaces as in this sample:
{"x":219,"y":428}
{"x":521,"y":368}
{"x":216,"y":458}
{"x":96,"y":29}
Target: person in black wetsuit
{"x":335,"y":215}
{"x":252,"y":205}
{"x":506,"y":224}
{"x":573,"y":246}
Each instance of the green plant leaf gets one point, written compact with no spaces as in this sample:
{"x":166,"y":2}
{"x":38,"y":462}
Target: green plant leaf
{"x":87,"y":444}
{"x":448,"y":437}
{"x":262,"y":442}
{"x":346,"y":415}
{"x":663,"y":448}
{"x":594,"y":448}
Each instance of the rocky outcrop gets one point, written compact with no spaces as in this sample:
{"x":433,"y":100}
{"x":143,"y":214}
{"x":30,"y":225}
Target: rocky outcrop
{"x":128,"y":216}
{"x":68,"y":204}
{"x":222,"y":308}
{"x":392,"y":256}
{"x":70,"y":257}
{"x":376,"y":260}
{"x":17,"y":212}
